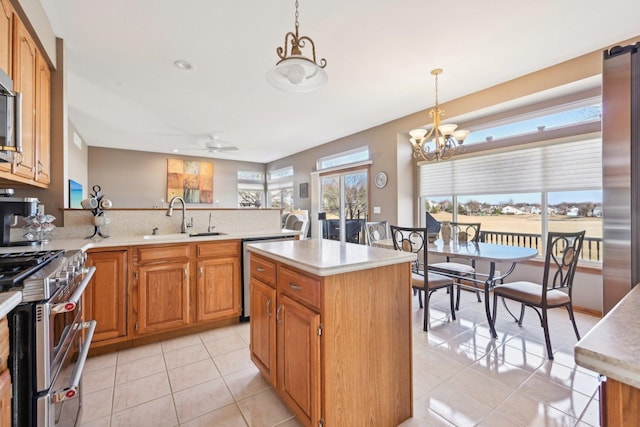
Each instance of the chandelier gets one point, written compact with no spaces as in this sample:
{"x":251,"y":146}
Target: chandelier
{"x":442,"y":141}
{"x":294,"y":72}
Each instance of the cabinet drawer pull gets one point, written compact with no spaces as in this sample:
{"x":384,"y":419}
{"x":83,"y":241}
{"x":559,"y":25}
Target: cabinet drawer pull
{"x":295,"y":287}
{"x":260,"y":269}
{"x":269,"y":312}
{"x":278,"y":314}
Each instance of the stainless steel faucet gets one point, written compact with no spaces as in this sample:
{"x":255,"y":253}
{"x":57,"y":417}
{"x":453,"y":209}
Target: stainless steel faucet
{"x":183,"y":226}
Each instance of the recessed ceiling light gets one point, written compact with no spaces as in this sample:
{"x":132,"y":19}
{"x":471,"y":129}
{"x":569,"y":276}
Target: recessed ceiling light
{"x":175,"y":150}
{"x":183,"y":65}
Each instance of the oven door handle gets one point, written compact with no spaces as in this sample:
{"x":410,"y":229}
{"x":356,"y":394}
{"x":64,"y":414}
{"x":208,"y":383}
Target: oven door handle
{"x":71,"y":304}
{"x":71,"y":391}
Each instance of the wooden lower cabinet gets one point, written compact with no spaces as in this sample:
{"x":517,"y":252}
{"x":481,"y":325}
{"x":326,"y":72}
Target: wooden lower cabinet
{"x":299,"y":359}
{"x":163,"y":297}
{"x":105,"y":299}
{"x":619,"y":404}
{"x":5,"y":398}
{"x":342,"y":342}
{"x":218,"y":285}
{"x":263,"y":328}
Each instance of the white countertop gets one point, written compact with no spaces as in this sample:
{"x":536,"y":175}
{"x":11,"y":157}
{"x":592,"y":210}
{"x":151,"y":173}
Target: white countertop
{"x":8,"y":301}
{"x":99,"y":242}
{"x":612,"y":347}
{"x":327,"y":257}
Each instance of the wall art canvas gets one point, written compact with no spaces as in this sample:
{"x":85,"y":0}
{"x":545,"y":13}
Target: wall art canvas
{"x":192,"y":180}
{"x":75,"y":194}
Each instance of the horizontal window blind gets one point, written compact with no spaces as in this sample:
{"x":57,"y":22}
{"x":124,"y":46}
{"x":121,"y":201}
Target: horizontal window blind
{"x":571,"y":166}
{"x":279,"y":185}
{"x":250,"y":186}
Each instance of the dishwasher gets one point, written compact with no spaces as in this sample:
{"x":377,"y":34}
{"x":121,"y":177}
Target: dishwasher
{"x":246,"y":269}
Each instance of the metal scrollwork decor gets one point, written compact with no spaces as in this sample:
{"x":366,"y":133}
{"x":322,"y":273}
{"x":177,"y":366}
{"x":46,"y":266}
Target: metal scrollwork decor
{"x":97,"y":203}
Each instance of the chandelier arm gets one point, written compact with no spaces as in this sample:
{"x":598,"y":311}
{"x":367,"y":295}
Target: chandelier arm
{"x":301,"y":43}
{"x":283,"y":51}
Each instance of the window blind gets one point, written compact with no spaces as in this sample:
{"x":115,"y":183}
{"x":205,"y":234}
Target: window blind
{"x":570,"y":166}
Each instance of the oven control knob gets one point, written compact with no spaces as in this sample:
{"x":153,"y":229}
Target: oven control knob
{"x":62,"y":277}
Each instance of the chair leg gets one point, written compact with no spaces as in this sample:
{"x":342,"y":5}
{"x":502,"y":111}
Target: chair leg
{"x":457,"y":296}
{"x":547,"y":339}
{"x":521,"y":315}
{"x":573,"y":320}
{"x":420,"y":298}
{"x":453,"y":311}
{"x":425,"y":322}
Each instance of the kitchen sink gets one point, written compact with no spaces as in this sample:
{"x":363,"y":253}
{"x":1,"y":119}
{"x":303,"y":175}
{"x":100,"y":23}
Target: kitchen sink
{"x":207,"y":233}
{"x":165,"y":236}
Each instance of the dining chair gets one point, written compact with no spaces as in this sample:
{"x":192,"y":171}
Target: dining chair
{"x":561,"y":259}
{"x":414,"y":240}
{"x":376,"y":230}
{"x":461,"y":232}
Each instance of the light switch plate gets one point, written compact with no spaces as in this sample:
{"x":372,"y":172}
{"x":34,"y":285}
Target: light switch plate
{"x":377,"y":209}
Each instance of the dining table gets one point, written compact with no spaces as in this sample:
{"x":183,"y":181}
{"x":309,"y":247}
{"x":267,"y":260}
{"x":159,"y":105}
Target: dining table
{"x":490,"y":253}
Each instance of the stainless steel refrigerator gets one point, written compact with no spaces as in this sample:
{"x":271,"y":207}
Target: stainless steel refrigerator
{"x":621,"y":172}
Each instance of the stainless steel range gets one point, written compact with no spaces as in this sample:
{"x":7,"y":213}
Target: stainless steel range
{"x":49,"y":337}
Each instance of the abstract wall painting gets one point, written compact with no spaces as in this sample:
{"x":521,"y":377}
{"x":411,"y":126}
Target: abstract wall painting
{"x":192,"y":180}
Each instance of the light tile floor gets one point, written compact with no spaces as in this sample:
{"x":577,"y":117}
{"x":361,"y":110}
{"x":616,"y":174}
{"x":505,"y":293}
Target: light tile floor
{"x":461,"y":377}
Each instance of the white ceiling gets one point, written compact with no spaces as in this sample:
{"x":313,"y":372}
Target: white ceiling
{"x":124,"y":92}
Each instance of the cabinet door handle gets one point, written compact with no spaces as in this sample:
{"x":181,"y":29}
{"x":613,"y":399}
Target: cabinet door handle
{"x":269,"y":312}
{"x":201,"y":272}
{"x":295,"y":287}
{"x":278,"y":314}
{"x":260,"y":269}
{"x":185,"y":274}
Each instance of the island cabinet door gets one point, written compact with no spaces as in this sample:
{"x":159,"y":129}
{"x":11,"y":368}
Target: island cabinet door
{"x":263,"y":329}
{"x":298,"y":337}
{"x":218,"y":289}
{"x":163,"y":295}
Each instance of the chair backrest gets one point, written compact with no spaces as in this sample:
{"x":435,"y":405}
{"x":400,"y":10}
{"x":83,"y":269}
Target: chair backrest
{"x":284,"y":219}
{"x":465,"y":231}
{"x":376,"y":230}
{"x":302,"y":226}
{"x":291,"y":220}
{"x":410,"y":239}
{"x":561,"y":259}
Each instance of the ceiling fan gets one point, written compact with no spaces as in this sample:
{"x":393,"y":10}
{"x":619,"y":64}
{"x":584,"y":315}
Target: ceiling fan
{"x":213,"y":145}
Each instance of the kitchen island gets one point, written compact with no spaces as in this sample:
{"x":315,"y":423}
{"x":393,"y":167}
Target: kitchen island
{"x":331,"y":330}
{"x":611,"y":349}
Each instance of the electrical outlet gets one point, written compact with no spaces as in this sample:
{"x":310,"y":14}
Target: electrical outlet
{"x":377,"y":209}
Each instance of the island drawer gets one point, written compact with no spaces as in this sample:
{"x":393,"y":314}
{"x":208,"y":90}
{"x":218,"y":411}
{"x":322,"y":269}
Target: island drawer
{"x":263,"y":269}
{"x":299,"y":286}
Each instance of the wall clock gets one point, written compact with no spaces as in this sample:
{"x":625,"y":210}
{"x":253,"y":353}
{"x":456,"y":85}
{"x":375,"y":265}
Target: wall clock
{"x":381,"y":179}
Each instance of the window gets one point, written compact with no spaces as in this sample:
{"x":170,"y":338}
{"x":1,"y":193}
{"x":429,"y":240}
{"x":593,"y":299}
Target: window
{"x":250,"y":189}
{"x":344,"y":158}
{"x":280,"y":188}
{"x":521,"y":194}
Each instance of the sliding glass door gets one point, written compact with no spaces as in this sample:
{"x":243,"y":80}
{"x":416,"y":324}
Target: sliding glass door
{"x":345,"y":202}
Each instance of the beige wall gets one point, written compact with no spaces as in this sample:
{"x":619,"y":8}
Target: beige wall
{"x":136,"y":179}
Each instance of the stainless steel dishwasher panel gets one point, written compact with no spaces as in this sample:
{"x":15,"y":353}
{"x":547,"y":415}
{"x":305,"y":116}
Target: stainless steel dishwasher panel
{"x":246,"y":271}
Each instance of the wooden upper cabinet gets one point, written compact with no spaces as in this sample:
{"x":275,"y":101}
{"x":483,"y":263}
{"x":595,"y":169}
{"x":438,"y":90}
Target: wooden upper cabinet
{"x":24,"y":81}
{"x":43,"y":124}
{"x":6,"y":35}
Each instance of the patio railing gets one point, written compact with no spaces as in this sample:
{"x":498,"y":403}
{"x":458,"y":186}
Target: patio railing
{"x":591,"y":247}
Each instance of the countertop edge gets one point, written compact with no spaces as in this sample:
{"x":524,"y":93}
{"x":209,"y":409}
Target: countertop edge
{"x":9,"y":301}
{"x":611,"y":347}
{"x":298,"y":262}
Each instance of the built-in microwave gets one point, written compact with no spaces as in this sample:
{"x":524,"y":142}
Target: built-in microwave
{"x":10,"y":119}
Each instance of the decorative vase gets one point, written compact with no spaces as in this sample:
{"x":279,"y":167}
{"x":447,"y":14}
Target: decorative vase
{"x":445,"y":231}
